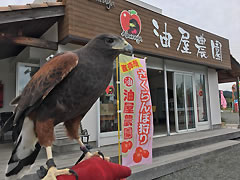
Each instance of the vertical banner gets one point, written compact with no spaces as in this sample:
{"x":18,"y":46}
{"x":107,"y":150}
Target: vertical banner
{"x":136,"y":112}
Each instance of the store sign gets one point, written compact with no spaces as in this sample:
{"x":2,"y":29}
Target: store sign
{"x":108,"y":3}
{"x":155,"y":34}
{"x":131,"y":25}
{"x":164,"y":39}
{"x":136,"y":112}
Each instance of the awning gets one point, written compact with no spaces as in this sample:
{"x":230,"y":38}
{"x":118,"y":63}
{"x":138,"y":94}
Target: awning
{"x":225,"y":76}
{"x":22,"y":25}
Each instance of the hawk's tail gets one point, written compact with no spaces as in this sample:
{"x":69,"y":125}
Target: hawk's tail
{"x":24,"y":153}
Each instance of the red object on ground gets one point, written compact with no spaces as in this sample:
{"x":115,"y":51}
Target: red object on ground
{"x":96,"y":168}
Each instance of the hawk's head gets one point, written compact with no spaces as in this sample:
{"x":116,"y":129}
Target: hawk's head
{"x":111,"y":44}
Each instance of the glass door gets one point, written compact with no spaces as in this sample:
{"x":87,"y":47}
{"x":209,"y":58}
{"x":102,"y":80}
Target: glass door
{"x":184,"y":102}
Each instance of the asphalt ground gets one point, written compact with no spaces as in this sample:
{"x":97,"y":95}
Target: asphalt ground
{"x":221,"y":166}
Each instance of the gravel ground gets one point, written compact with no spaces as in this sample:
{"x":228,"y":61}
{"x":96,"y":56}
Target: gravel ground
{"x":222,"y":166}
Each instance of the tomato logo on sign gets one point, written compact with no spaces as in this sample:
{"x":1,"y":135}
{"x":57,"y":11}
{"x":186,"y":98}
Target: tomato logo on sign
{"x":131,"y":25}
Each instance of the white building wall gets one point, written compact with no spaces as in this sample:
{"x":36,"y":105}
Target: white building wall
{"x":7,"y":76}
{"x":89,"y":122}
{"x":215,"y":113}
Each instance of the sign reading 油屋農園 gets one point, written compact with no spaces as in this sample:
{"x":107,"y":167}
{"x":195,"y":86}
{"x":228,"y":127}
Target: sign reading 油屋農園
{"x":150,"y":33}
{"x":184,"y":45}
{"x":136,"y":112}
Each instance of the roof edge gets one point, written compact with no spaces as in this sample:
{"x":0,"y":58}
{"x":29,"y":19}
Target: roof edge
{"x":146,"y":6}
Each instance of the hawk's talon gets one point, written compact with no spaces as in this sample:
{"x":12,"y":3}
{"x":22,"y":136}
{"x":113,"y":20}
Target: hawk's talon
{"x":42,"y":172}
{"x":101,"y":154}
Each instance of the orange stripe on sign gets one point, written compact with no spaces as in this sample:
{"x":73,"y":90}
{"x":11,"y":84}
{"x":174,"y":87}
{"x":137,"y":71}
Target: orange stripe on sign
{"x":129,"y":66}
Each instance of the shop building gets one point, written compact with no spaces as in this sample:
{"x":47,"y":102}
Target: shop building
{"x":182,"y":61}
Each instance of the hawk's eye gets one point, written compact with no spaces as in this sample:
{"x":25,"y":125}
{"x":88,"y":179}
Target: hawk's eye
{"x":109,"y":40}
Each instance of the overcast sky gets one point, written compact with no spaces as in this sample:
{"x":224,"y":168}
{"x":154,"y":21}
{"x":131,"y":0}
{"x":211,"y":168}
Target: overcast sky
{"x":220,"y":17}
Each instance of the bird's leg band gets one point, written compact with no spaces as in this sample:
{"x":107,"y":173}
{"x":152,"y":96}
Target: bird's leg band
{"x":50,"y":163}
{"x":84,"y":149}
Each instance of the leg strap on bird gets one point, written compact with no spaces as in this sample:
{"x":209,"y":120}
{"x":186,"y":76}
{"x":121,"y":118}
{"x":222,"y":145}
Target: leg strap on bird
{"x":80,"y":159}
{"x":74,"y":173}
{"x":42,"y":172}
{"x":84,"y":149}
{"x":50,"y":163}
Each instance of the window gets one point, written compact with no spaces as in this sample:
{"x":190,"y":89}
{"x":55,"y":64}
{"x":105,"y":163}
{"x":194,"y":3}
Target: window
{"x":108,"y":107}
{"x":201,"y":98}
{"x":25,"y":71}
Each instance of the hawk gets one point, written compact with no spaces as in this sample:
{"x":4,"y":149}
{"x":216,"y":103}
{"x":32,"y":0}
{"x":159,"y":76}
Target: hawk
{"x":63,"y":90}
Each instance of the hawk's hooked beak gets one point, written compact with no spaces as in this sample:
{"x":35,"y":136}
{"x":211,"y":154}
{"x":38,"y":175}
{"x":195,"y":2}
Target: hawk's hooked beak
{"x":124,"y":47}
{"x":128,"y":48}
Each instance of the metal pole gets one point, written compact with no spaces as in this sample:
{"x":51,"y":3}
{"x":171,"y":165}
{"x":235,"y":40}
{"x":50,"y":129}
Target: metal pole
{"x":118,"y":112}
{"x":166,"y":98}
{"x":98,"y":122}
{"x":238,"y":98}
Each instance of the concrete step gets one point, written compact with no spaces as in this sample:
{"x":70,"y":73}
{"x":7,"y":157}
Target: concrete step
{"x":162,"y":145}
{"x":232,"y":126}
{"x":185,"y":144}
{"x":166,"y":164}
{"x":177,"y":143}
{"x":64,"y":144}
{"x":70,"y":147}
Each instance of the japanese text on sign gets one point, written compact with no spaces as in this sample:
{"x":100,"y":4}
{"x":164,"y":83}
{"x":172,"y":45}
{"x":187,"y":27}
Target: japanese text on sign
{"x":128,"y":110}
{"x":145,"y":110}
{"x":184,"y":42}
{"x":133,"y":64}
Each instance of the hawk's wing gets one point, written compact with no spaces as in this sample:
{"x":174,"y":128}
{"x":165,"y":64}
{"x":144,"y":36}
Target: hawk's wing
{"x":44,"y":80}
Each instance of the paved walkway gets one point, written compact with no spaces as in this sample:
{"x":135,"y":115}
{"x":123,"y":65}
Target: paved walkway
{"x":229,"y":117}
{"x":223,"y":166}
{"x":68,"y":159}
